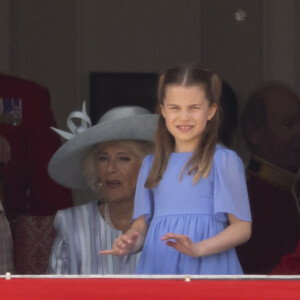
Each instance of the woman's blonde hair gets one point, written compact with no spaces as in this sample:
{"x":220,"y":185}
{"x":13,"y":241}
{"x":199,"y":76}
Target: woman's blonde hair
{"x":200,"y":163}
{"x":140,"y":148}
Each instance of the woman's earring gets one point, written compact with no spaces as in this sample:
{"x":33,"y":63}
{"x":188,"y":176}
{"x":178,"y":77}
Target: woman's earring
{"x":99,"y":185}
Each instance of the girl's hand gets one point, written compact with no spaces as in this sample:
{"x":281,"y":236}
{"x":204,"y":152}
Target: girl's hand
{"x":182,"y":244}
{"x":124,"y":244}
{"x":236,"y":233}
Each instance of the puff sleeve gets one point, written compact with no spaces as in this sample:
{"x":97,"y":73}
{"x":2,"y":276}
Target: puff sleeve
{"x":230,"y":189}
{"x":143,"y":201}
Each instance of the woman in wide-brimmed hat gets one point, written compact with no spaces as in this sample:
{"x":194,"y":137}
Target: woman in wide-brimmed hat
{"x":106,"y":159}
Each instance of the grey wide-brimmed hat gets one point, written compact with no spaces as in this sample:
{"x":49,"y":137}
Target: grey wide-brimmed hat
{"x":119,"y":123}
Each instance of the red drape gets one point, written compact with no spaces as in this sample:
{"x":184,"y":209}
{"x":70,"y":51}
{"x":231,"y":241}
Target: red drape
{"x":95,"y":288}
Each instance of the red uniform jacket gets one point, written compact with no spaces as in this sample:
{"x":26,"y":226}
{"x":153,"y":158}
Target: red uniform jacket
{"x":28,"y":188}
{"x":275,"y":227}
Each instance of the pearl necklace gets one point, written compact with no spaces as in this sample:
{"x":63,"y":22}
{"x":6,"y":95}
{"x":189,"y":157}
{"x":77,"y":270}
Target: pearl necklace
{"x":107,"y":218}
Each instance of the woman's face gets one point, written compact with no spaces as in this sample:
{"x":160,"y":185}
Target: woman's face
{"x":118,"y":167}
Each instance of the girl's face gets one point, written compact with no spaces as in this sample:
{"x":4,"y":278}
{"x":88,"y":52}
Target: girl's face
{"x":118,"y":167}
{"x":186,"y":111}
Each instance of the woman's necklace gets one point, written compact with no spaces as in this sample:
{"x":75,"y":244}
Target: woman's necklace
{"x":107,"y":218}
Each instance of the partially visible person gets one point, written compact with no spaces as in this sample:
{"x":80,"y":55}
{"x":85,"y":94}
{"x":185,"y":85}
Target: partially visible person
{"x":271,"y":124}
{"x":229,"y":121}
{"x":26,"y":146}
{"x":6,"y":244}
{"x":191,"y":204}
{"x":289,"y":263}
{"x":105,"y":159}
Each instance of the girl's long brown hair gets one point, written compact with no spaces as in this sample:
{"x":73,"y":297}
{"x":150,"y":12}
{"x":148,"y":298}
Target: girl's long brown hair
{"x":201,"y":161}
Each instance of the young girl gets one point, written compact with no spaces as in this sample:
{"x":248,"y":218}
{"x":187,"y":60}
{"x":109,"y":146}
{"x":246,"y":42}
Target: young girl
{"x":191,"y":203}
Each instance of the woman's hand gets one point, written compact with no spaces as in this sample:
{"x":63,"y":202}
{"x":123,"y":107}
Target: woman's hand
{"x":182,"y":244}
{"x":124,"y":244}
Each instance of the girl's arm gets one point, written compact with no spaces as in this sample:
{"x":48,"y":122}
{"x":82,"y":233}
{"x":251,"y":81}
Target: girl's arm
{"x":238,"y":232}
{"x":132,"y":241}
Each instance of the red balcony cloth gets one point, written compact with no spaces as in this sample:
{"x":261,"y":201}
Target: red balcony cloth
{"x":91,"y":288}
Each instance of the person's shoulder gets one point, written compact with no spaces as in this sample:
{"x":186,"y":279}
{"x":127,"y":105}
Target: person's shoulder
{"x":146,"y":165}
{"x":64,"y":218}
{"x":148,"y":160}
{"x":20,"y":80}
{"x":226,"y":155}
{"x":74,"y":209}
{"x":223,"y":151}
{"x":148,"y":157}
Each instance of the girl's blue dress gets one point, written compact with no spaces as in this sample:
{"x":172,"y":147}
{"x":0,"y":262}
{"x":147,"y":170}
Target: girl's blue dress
{"x":199,"y":211}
